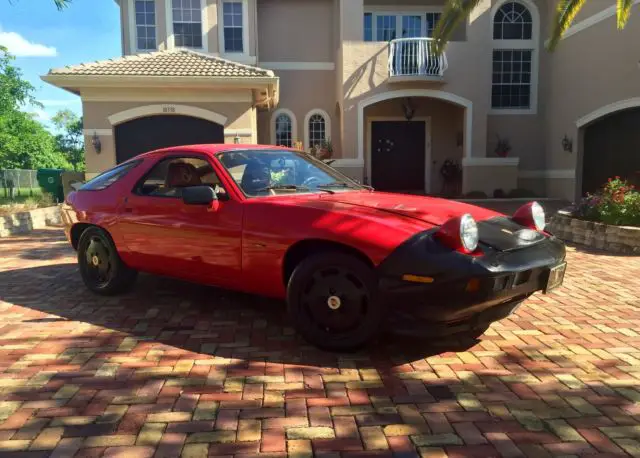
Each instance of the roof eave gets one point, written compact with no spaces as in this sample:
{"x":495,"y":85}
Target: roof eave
{"x":79,"y":81}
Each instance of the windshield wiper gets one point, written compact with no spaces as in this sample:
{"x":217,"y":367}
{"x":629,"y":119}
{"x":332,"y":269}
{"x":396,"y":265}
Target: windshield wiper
{"x":337,"y":184}
{"x":292,"y":187}
{"x":284,"y":187}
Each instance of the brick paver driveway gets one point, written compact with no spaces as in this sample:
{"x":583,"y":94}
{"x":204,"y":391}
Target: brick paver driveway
{"x":174,"y":369}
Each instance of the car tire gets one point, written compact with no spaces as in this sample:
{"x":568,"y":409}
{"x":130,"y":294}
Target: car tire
{"x":334,"y":303}
{"x":101,"y":268}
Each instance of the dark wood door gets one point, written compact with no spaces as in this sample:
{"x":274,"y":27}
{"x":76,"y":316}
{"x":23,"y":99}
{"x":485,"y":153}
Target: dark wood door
{"x":398,"y":155}
{"x":611,"y":148}
{"x":154,"y":132}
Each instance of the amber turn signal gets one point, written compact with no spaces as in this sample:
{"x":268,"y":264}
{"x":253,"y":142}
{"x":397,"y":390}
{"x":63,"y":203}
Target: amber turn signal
{"x":473,"y":285}
{"x":417,"y":279}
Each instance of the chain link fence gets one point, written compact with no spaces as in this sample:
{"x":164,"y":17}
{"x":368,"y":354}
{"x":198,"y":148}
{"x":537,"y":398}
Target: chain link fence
{"x":18,"y":184}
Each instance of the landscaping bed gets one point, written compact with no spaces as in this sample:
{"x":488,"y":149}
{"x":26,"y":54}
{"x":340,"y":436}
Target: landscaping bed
{"x":608,"y":220}
{"x":26,"y":220}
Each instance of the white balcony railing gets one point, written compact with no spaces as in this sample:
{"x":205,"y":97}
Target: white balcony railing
{"x":415,"y":57}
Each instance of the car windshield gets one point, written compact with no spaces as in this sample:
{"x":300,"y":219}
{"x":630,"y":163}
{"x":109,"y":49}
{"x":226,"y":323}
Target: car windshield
{"x":270,"y":172}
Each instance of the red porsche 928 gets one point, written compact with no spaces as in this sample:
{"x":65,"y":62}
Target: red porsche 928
{"x":277,"y":222}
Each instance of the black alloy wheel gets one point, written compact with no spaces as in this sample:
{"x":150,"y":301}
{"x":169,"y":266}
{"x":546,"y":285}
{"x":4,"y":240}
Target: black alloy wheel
{"x":101,"y":268}
{"x":334,"y":302}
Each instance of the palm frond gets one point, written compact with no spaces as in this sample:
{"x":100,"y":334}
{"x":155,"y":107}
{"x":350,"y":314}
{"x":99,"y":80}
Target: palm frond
{"x":623,"y":11}
{"x":455,"y":11}
{"x":61,"y":4}
{"x":566,"y":12}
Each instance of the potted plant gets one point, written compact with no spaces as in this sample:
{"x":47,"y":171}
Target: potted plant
{"x":325,"y":150}
{"x":503,"y":147}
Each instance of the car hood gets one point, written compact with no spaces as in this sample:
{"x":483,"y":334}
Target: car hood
{"x":431,"y":210}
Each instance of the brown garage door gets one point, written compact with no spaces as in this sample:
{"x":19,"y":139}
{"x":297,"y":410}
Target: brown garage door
{"x":612,"y":148}
{"x":154,"y":132}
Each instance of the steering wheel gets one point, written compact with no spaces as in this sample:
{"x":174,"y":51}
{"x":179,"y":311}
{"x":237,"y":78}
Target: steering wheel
{"x":309,"y":182}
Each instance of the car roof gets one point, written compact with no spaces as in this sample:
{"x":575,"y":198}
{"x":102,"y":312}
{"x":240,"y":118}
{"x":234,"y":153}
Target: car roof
{"x":212,"y":149}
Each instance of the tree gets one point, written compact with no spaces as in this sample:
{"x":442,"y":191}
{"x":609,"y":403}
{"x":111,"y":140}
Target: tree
{"x":14,"y":91}
{"x":70,"y":140}
{"x":24,"y":142}
{"x":456,"y":11}
{"x":60,"y":4}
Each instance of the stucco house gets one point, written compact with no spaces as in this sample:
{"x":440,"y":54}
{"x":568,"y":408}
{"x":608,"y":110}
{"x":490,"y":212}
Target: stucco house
{"x":363,"y":74}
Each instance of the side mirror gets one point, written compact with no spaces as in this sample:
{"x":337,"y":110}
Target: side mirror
{"x":199,"y":195}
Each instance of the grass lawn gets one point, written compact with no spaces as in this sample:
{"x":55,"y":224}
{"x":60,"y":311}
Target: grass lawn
{"x":20,"y":195}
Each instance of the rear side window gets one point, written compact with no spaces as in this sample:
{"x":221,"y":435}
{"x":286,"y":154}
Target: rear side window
{"x":106,"y":179}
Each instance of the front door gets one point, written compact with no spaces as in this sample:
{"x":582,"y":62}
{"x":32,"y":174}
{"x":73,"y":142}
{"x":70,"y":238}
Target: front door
{"x":169,"y":237}
{"x":398,"y":156}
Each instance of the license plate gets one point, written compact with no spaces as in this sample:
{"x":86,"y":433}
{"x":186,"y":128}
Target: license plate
{"x":556,"y":277}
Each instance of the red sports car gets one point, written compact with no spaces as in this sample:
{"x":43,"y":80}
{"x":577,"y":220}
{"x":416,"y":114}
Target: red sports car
{"x":279,"y":223}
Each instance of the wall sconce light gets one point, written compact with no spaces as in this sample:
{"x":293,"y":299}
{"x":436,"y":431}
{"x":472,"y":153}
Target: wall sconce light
{"x":236,"y":139}
{"x":408,"y":109}
{"x":567,"y":144}
{"x":97,"y":144}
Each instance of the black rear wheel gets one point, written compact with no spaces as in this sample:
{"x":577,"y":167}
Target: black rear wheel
{"x":102,"y":270}
{"x":333,"y":301}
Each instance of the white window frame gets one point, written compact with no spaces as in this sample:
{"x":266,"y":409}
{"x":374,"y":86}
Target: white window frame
{"x":171,"y":41}
{"x":533,"y":44}
{"x":327,"y":125}
{"x":133,"y":29}
{"x":294,"y":124}
{"x":398,"y":13}
{"x":245,"y":30}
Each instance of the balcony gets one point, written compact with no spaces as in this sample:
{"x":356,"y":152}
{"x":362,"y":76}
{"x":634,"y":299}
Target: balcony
{"x":415,"y":59}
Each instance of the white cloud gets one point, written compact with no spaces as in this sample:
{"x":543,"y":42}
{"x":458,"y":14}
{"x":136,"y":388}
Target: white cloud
{"x":21,"y":47}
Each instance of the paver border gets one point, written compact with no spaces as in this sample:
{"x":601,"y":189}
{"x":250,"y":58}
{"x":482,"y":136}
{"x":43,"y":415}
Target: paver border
{"x":616,"y":239}
{"x":26,"y":221}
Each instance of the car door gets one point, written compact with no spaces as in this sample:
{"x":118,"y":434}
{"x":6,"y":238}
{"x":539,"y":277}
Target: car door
{"x":168,"y":237}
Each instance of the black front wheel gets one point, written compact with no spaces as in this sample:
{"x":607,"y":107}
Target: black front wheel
{"x":102,"y":270}
{"x":334,"y":302}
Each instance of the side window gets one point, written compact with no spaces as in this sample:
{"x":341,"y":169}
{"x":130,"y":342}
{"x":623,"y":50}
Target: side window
{"x":106,"y":179}
{"x":170,"y":176}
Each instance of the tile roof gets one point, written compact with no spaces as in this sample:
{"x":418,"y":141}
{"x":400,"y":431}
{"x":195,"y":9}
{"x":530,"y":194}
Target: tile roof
{"x":178,"y":63}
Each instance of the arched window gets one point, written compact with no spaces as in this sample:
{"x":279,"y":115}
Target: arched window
{"x":514,"y":77}
{"x":512,"y":22}
{"x":283,"y":128}
{"x":317,"y":130}
{"x":283,"y":131}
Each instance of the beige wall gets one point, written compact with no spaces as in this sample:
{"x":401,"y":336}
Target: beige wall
{"x":241,"y":118}
{"x":294,"y":30}
{"x":301,"y":92}
{"x":593,"y":68}
{"x":128,"y":44}
{"x":488,"y":178}
{"x":212,"y":15}
{"x":525,"y":135}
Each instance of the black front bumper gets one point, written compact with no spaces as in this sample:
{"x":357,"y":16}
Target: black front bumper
{"x":467,"y":291}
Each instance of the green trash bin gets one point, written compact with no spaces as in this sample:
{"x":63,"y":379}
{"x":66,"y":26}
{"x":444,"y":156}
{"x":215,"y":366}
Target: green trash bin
{"x":50,"y":180}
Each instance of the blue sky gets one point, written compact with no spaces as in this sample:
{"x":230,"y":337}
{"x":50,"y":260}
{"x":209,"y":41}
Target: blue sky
{"x":42,"y":38}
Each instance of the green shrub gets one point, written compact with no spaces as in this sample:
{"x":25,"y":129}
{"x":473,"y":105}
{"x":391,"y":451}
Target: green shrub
{"x":618,"y":203}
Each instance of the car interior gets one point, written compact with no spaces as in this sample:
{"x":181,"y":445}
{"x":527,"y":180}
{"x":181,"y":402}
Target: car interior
{"x":170,"y":177}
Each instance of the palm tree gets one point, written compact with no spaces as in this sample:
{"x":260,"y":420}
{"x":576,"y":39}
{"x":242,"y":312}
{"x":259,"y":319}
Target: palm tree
{"x":456,"y":11}
{"x":60,"y":4}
